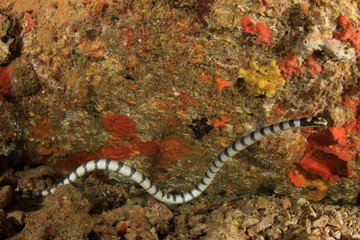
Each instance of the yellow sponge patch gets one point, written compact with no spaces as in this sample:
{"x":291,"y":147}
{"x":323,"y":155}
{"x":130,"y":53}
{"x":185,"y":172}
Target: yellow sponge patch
{"x":262,"y":80}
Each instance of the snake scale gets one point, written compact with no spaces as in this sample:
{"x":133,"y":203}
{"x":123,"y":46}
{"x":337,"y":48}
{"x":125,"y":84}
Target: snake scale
{"x":156,"y":192}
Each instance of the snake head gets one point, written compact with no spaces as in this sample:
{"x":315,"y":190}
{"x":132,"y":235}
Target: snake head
{"x":313,"y":122}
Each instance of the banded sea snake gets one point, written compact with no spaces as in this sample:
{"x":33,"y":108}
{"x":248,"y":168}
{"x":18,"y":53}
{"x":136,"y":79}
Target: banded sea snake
{"x":156,"y":192}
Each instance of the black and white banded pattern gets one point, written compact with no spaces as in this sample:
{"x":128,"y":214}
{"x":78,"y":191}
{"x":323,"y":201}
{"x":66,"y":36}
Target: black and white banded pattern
{"x":148,"y":185}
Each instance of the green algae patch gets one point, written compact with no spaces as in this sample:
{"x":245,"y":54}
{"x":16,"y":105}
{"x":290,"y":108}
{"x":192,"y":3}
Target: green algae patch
{"x":263,"y":80}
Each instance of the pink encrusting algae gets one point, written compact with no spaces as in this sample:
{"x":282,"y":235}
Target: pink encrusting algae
{"x":6,"y":74}
{"x":347,"y":32}
{"x":260,"y":30}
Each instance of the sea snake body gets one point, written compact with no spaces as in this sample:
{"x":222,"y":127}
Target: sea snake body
{"x":148,"y":185}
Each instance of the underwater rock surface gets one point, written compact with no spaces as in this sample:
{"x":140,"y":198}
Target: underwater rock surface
{"x":165,"y":86}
